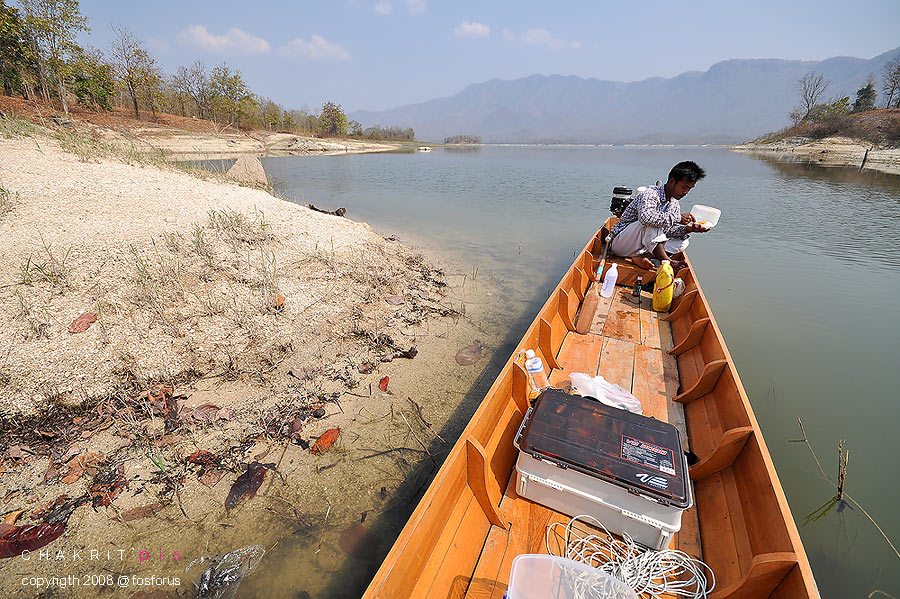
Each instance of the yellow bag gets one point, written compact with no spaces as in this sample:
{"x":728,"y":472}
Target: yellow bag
{"x":662,"y":290}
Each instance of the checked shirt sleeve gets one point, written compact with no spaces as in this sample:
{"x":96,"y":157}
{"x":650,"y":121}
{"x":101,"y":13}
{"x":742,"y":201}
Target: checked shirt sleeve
{"x":650,"y":211}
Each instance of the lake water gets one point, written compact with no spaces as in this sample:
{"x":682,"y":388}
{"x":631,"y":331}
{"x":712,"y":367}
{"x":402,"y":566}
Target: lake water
{"x":801,"y":272}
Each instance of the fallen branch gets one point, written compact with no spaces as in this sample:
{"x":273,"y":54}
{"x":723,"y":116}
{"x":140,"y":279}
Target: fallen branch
{"x":338,"y":212}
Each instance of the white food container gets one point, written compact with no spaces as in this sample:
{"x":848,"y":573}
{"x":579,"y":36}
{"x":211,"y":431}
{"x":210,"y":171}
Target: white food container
{"x":705,"y":214}
{"x":628,"y":471}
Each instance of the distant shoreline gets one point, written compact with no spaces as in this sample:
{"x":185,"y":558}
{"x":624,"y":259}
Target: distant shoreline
{"x":829,"y":151}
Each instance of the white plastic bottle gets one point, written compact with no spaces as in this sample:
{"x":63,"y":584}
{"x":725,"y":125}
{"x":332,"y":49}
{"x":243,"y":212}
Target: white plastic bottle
{"x":535,"y":369}
{"x":609,"y":281}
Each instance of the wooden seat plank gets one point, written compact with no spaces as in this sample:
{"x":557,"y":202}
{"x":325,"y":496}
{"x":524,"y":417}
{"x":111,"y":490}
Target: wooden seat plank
{"x":579,"y":353}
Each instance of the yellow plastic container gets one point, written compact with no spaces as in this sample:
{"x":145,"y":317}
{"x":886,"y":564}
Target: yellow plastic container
{"x":662,"y":290}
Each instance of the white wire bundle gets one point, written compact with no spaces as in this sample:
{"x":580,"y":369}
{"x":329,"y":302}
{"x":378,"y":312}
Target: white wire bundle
{"x":648,"y":572}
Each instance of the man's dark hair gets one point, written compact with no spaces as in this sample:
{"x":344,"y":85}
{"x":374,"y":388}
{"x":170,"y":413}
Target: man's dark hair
{"x":687,"y":171}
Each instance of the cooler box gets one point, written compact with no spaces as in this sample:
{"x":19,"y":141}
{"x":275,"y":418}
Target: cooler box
{"x":578,"y":456}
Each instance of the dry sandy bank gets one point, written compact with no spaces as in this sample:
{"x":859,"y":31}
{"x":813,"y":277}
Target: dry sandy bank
{"x":230,"y":322}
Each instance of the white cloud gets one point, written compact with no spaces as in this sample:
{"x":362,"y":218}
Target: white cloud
{"x":317,"y":48}
{"x":383,"y":8}
{"x":234,"y":41}
{"x":541,"y":37}
{"x":416,"y":7}
{"x":473,"y":29}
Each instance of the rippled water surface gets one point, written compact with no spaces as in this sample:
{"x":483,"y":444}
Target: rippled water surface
{"x":802,"y":273}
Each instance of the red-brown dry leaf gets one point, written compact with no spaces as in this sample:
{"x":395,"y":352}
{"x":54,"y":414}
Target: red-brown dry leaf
{"x":383,"y":383}
{"x":83,"y":322}
{"x":203,"y":458}
{"x":325,"y":441}
{"x":246,"y":485}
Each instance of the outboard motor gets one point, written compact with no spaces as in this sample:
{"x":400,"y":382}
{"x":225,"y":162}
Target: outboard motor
{"x":620,"y":199}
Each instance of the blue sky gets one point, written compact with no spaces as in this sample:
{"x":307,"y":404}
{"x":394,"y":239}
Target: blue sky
{"x":377,"y":54}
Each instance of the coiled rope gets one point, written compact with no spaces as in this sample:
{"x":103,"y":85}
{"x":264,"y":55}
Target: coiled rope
{"x":649,"y":573}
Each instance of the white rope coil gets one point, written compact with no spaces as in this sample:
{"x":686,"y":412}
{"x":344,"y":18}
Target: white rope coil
{"x":649,"y":573}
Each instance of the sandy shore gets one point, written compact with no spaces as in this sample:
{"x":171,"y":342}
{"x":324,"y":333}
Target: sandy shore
{"x":830,"y":151}
{"x":215,"y":318}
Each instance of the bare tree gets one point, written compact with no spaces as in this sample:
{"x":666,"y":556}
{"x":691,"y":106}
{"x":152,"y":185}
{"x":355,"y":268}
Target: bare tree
{"x":136,"y":68}
{"x":811,"y":88}
{"x":194,"y":82}
{"x":890,"y":86}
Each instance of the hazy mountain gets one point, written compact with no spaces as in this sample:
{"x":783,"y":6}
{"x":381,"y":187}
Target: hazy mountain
{"x":734,"y":101}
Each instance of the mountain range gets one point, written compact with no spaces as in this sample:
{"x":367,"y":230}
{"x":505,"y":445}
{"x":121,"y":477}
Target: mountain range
{"x":731,"y":102}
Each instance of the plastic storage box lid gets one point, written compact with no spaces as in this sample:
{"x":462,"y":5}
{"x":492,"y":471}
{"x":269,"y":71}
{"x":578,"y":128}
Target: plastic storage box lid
{"x":551,"y":577}
{"x":641,"y":454}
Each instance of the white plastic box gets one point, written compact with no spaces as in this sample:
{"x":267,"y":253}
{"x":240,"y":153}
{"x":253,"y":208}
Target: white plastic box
{"x":550,"y":577}
{"x":628,"y":471}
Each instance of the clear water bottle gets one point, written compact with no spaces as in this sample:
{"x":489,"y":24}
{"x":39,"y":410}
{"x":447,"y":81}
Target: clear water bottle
{"x":536,"y":373}
{"x":609,"y":281}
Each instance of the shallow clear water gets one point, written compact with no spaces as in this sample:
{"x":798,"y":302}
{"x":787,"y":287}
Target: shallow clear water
{"x":801,"y":272}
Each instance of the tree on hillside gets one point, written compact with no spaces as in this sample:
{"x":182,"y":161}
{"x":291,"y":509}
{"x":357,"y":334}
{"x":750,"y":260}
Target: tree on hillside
{"x":811,"y":87}
{"x":17,"y":60}
{"x":54,"y":25}
{"x":92,"y":78}
{"x":230,"y":97}
{"x":332,"y":121}
{"x":136,"y":68}
{"x":890,"y":86}
{"x":865,"y":96}
{"x":194,"y":82}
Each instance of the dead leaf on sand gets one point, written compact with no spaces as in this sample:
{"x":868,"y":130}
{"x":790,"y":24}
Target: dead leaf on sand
{"x":246,"y":485}
{"x":81,"y":465}
{"x":395,"y":300}
{"x":365,"y":368}
{"x":469,"y":354}
{"x":141,"y":511}
{"x":19,"y":452}
{"x":210,"y":476}
{"x":383,"y":383}
{"x":205,"y":413}
{"x":83,"y":322}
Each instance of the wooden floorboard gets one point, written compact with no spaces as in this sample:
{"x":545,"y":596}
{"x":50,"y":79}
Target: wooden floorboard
{"x":579,"y":353}
{"x":623,"y":321}
{"x":617,"y":362}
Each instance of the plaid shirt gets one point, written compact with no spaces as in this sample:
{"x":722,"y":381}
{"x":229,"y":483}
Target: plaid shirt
{"x":651,"y":208}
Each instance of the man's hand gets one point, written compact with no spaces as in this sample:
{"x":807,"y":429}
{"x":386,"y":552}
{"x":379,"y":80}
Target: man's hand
{"x":696,"y":227}
{"x":686,"y":218}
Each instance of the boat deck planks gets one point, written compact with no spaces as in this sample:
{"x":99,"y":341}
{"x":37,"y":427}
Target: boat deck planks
{"x":624,"y":320}
{"x":579,"y":353}
{"x":638,"y":368}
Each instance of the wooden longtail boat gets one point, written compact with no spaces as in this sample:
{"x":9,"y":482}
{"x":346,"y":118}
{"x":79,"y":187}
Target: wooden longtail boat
{"x":463,"y":535}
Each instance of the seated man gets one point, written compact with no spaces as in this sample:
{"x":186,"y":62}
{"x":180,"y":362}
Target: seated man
{"x":653,"y":225}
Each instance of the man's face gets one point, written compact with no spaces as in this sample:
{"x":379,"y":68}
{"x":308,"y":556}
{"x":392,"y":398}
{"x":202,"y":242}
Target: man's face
{"x":680,"y":188}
